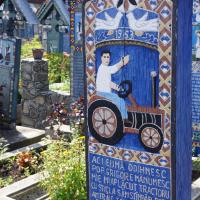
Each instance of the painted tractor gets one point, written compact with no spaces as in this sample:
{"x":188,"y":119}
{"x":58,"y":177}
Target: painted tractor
{"x":107,"y":126}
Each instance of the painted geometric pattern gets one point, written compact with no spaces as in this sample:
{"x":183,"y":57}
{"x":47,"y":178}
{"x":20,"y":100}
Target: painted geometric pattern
{"x":128,"y":155}
{"x":73,"y":5}
{"x":163,"y":7}
{"x":196,"y":129}
{"x":196,"y":144}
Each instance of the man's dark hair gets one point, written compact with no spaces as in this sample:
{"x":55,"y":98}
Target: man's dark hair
{"x":105,"y":52}
{"x":120,"y":2}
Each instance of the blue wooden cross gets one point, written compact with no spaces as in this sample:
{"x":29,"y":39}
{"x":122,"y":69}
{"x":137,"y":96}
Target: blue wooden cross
{"x":14,"y":12}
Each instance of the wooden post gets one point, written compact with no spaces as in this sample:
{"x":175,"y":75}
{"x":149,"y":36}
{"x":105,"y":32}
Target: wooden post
{"x":181,"y":103}
{"x":140,"y":151}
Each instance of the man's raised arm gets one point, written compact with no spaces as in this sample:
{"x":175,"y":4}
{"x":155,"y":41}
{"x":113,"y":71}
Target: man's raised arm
{"x":119,"y":65}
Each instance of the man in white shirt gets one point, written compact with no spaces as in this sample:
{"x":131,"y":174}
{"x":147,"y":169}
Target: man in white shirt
{"x":104,"y":84}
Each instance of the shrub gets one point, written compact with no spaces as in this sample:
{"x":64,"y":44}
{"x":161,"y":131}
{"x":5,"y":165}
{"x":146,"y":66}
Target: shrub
{"x":18,"y":167}
{"x":65,"y":165}
{"x":196,"y":164}
{"x":59,"y":68}
{"x":2,"y":146}
{"x":62,"y":115}
{"x":26,"y":50}
{"x":77,"y":114}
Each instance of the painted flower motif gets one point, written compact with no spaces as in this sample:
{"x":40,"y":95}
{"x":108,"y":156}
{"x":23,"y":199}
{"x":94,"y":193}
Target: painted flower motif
{"x":6,"y":15}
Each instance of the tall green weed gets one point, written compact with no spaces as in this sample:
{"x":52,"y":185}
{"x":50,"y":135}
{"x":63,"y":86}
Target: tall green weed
{"x":65,"y":166}
{"x":26,"y":50}
{"x":59,"y":68}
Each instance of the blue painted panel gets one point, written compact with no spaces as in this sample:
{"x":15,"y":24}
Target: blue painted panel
{"x":138,"y":70}
{"x":78,"y":27}
{"x":128,"y":34}
{"x":9,"y":71}
{"x":115,"y":179}
{"x":66,"y":43}
{"x":194,"y":37}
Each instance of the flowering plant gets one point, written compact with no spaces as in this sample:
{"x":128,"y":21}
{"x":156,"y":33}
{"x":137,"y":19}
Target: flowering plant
{"x":26,"y":159}
{"x":61,"y":115}
{"x":77,"y":112}
{"x":66,"y":170}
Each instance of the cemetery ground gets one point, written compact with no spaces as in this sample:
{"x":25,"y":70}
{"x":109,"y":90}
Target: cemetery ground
{"x":56,"y":162}
{"x":48,"y":163}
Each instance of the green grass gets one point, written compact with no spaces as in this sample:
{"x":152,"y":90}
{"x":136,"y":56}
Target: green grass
{"x":65,"y":87}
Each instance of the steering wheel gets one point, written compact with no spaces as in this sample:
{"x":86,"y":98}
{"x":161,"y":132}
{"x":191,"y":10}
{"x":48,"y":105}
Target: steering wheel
{"x":125,"y":88}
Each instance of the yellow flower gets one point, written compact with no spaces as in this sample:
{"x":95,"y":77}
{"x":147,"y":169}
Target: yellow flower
{"x":82,"y":138}
{"x":65,"y":153}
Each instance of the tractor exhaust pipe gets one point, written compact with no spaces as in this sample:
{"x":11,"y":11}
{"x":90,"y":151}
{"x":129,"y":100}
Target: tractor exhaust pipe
{"x":153,"y":85}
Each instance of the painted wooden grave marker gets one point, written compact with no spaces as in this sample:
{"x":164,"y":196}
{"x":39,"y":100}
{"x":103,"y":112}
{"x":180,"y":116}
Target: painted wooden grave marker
{"x":138,"y":99}
{"x":55,"y":20}
{"x":76,"y":45}
{"x":9,"y":73}
{"x":12,"y":13}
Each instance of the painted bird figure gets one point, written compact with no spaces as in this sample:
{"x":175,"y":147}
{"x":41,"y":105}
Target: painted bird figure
{"x":112,"y":23}
{"x":126,"y":7}
{"x":109,"y":23}
{"x":142,"y":24}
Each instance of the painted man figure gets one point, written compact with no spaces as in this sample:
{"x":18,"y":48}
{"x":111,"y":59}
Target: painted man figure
{"x":104,"y":84}
{"x":123,"y":22}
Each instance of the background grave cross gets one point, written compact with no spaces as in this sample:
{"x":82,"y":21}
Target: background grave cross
{"x":14,"y":13}
{"x":54,"y":22}
{"x":8,"y":18}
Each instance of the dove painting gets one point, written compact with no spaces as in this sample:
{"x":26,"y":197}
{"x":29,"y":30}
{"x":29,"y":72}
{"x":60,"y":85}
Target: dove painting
{"x":126,"y":13}
{"x":196,"y":12}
